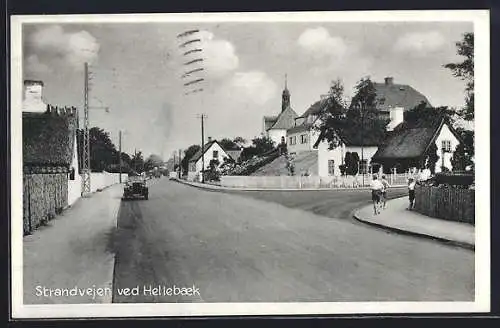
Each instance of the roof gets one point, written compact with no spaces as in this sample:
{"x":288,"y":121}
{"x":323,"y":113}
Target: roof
{"x":207,"y":146}
{"x":353,"y":138}
{"x":48,"y":138}
{"x":300,"y":128}
{"x":410,"y":139}
{"x":286,"y":119}
{"x":234,"y":153}
{"x":269,"y":121}
{"x":398,"y":95}
{"x":316,"y":108}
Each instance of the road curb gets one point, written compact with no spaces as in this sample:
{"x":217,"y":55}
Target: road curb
{"x":214,"y":187}
{"x":447,"y":241}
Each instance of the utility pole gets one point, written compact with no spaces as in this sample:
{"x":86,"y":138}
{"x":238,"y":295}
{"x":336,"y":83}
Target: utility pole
{"x":86,"y":170}
{"x":180,"y":167}
{"x":202,"y":150}
{"x":86,"y":139}
{"x":120,"y":152}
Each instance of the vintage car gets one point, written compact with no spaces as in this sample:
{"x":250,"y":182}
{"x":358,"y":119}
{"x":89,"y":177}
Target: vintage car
{"x":135,"y":187}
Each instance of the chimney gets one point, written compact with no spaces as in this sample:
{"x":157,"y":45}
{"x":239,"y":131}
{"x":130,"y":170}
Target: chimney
{"x":209,"y":139}
{"x":389,"y":80}
{"x":33,"y":97}
{"x":396,"y":116}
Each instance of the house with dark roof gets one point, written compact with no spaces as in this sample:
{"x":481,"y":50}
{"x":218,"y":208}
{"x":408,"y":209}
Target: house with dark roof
{"x":393,"y":95}
{"x":275,"y":127}
{"x":213,"y":151}
{"x":410,"y":142}
{"x":50,"y":160}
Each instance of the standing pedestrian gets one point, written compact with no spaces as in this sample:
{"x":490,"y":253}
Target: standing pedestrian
{"x":386,"y":186}
{"x":376,"y":188}
{"x":411,"y":193}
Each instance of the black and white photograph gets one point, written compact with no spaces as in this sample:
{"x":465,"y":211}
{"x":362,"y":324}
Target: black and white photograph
{"x":250,"y":164}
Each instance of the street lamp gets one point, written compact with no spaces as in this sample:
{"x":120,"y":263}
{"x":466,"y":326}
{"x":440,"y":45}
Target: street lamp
{"x":360,"y":106}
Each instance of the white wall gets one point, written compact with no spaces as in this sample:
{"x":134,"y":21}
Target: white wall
{"x":312,"y":136}
{"x":338,"y":154}
{"x":208,"y":156}
{"x":445,"y":134}
{"x":276,"y":134}
{"x":324,"y":155}
{"x":100,"y":180}
{"x":74,"y":186}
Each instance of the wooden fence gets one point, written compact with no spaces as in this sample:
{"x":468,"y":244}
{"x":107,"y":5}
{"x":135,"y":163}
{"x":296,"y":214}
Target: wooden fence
{"x":44,"y":196}
{"x":447,"y":203}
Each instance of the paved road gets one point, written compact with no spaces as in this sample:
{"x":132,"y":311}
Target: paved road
{"x":238,"y":248}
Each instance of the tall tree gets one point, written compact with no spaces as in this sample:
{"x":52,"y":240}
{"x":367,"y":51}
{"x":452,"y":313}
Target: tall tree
{"x":188,"y":153}
{"x":137,"y":162}
{"x":333,"y":115}
{"x":465,"y":71}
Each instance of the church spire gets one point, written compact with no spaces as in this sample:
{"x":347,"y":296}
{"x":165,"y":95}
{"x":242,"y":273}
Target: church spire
{"x":285,"y":98}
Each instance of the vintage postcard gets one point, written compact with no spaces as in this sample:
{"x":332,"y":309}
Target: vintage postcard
{"x":250,"y":164}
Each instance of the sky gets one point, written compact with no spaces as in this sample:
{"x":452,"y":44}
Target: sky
{"x":136,"y":71}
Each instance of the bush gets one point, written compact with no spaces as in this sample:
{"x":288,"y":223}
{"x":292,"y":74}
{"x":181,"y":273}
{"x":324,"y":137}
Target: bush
{"x":454,"y":179}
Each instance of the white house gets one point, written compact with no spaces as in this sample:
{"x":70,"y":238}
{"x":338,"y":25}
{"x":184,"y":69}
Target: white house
{"x":275,"y":127}
{"x":410,"y":143}
{"x":213,"y":151}
{"x":329,"y":161}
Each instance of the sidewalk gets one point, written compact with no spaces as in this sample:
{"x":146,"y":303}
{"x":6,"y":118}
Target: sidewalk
{"x":73,"y":250}
{"x":397,"y":218}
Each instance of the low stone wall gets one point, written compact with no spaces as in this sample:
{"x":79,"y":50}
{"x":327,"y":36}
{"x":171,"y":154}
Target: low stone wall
{"x":454,"y":204}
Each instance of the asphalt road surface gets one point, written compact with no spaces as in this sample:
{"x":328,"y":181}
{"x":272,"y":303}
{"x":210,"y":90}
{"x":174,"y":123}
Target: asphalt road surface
{"x":236,"y":248}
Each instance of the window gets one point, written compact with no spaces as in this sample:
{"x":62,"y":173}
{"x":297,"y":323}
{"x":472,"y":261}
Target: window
{"x":331,"y":167}
{"x":215,"y":154}
{"x":72,"y":174}
{"x":446,"y":145}
{"x":294,"y":140}
{"x":291,"y":140}
{"x":303,"y":138}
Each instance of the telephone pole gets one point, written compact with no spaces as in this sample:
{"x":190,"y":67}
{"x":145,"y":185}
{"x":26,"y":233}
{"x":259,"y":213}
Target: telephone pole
{"x":180,"y":167}
{"x":120,"y":152}
{"x":86,"y":139}
{"x":202,"y":149}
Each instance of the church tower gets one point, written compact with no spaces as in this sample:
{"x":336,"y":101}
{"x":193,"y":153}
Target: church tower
{"x":285,"y":97}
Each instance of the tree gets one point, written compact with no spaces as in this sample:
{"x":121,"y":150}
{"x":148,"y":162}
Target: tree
{"x":227,"y":144}
{"x":464,"y":152}
{"x":432,"y":157}
{"x":137,"y":162}
{"x":465,"y":71}
{"x":153,"y":161}
{"x":239,"y":141}
{"x":263,"y":144}
{"x":188,"y":154}
{"x":333,"y":116}
{"x":102,"y":150}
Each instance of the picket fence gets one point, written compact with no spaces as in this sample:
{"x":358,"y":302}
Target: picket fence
{"x":454,"y":204}
{"x":306,"y":182}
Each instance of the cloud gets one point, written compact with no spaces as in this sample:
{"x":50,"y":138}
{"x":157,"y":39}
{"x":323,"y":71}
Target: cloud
{"x":219,"y":55}
{"x":33,"y":66}
{"x":318,"y":42}
{"x":254,"y":86}
{"x":420,"y":43}
{"x":75,"y":48}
